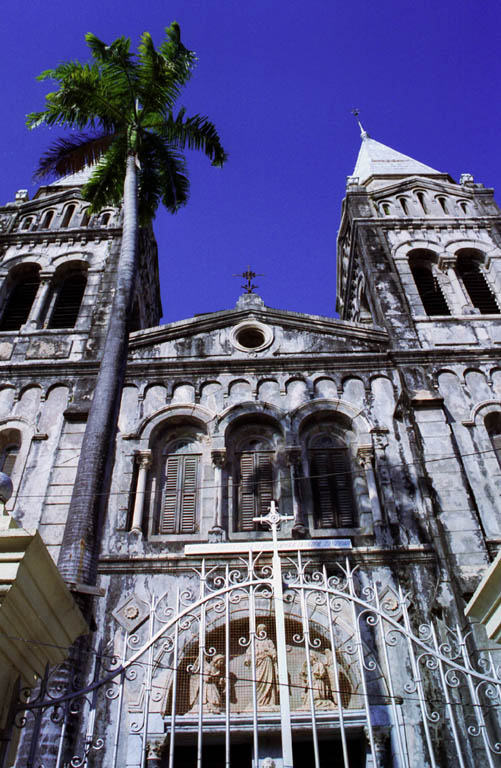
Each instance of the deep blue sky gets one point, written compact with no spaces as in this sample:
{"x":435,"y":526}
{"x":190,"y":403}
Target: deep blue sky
{"x":279,"y":78}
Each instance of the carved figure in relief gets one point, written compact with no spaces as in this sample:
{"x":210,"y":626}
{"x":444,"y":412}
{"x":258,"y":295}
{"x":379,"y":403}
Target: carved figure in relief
{"x":214,"y":686}
{"x":320,"y":684}
{"x":266,"y":668}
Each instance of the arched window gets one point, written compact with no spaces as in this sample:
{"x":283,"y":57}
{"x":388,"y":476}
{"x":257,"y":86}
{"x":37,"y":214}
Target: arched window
{"x":105,"y":219}
{"x":443,"y":204}
{"x":47,"y":220}
{"x":8,"y":459}
{"x":68,"y":215}
{"x":385,"y":207}
{"x":69,"y":291}
{"x":403,"y":203}
{"x":27,"y":223}
{"x":427,"y":285}
{"x":181,"y":468}
{"x":10,"y":445}
{"x":85,"y":218}
{"x":23,"y":289}
{"x":422,"y":201}
{"x":493,"y":427}
{"x":469,"y":269}
{"x":463,"y":207}
{"x":331,"y":482}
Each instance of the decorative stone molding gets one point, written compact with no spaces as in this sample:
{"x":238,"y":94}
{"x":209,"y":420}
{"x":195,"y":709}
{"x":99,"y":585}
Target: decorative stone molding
{"x":365,"y":456}
{"x":131,"y":613}
{"x":219,"y":458}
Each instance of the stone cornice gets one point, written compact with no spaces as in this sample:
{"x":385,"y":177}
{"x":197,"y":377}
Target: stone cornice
{"x":372,"y":556}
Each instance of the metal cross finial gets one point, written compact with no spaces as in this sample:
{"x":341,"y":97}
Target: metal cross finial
{"x":273,"y":519}
{"x":355,"y":111}
{"x":249,"y":276}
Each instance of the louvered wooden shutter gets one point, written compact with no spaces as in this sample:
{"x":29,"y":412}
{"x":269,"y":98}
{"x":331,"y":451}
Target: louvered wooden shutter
{"x":332,"y":489}
{"x":323,"y":490}
{"x":170,"y":505}
{"x":180,"y":495}
{"x":188,"y":493}
{"x":256,"y":487}
{"x":265,"y":482}
{"x":247,"y":506}
{"x":344,"y":494}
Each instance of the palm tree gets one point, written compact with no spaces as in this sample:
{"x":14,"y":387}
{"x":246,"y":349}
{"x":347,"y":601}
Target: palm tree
{"x":120,"y":109}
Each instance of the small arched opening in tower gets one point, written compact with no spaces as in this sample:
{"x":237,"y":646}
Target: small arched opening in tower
{"x":470,"y":270}
{"x":427,"y":285}
{"x":69,"y":290}
{"x":22,"y":288}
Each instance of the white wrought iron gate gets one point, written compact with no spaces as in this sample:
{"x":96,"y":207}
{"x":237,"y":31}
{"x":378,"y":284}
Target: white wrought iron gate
{"x":277,"y":658}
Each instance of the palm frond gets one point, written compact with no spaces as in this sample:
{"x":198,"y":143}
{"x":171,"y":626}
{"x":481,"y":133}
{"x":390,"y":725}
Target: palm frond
{"x":105,"y":186}
{"x":176,"y":53}
{"x":163,"y":176}
{"x":117,"y":66}
{"x":195,"y":132}
{"x":162,"y":75}
{"x":84,"y":100}
{"x":69,"y":155}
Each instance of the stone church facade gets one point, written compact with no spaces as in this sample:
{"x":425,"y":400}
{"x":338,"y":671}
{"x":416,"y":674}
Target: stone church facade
{"x":377,"y":435}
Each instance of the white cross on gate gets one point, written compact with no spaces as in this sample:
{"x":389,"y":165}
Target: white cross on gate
{"x":273,"y":519}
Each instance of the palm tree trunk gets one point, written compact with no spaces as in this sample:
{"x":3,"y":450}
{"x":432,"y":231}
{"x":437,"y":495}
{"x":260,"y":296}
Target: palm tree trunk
{"x":79,"y":551}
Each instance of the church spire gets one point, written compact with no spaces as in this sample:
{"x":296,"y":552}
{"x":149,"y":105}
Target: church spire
{"x":376,"y":159}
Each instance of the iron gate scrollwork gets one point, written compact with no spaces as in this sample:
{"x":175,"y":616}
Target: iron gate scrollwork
{"x":286,"y":650}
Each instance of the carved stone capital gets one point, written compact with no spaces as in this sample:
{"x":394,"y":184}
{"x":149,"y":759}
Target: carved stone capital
{"x":293,"y":456}
{"x":219,"y":458}
{"x":154,"y":753}
{"x":447,"y":261}
{"x":143,"y":459}
{"x":217,"y":534}
{"x":365,"y":456}
{"x":380,"y":439}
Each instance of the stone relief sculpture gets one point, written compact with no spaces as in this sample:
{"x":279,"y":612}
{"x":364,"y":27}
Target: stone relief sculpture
{"x":214,"y":686}
{"x":266,"y":673}
{"x":322,"y":695}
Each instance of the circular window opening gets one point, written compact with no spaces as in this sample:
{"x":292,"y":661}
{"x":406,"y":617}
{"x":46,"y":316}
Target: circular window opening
{"x":250,"y":338}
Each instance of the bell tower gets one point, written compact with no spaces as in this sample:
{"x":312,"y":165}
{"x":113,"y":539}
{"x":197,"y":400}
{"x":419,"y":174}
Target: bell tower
{"x":418,"y":253}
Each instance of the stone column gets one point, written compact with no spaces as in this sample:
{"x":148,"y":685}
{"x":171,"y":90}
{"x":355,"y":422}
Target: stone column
{"x":447,"y":264}
{"x":217,"y":532}
{"x":143,"y":458}
{"x":293,"y":457}
{"x":365,"y":456}
{"x":35,"y":317}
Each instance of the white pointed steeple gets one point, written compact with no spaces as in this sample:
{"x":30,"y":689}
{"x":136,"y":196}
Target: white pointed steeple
{"x":376,"y":159}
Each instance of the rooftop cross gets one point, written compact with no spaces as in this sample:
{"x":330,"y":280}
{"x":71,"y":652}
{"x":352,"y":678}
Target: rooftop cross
{"x":355,"y":111}
{"x":249,"y":276}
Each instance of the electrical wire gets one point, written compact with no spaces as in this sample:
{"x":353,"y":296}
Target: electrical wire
{"x":156,"y":665}
{"x":345,"y":473}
